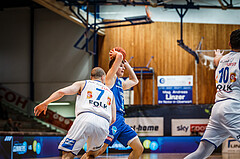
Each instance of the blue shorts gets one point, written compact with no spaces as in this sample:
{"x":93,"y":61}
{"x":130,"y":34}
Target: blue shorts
{"x":120,"y":131}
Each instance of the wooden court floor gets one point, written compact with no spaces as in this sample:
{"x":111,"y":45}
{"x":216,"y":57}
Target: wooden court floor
{"x":168,"y":156}
{"x":161,"y":156}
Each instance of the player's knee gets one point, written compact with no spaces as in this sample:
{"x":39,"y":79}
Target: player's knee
{"x":103,"y":149}
{"x":67,"y":155}
{"x":139,"y":149}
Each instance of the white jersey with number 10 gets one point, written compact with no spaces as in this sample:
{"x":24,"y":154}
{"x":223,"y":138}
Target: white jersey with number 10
{"x":227,"y":77}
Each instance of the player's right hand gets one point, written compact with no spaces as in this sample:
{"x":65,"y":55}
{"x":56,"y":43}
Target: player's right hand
{"x":112,"y":54}
{"x":39,"y":108}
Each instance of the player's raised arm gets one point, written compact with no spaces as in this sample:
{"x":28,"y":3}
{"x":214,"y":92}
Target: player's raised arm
{"x":133,"y":80}
{"x":117,"y":59}
{"x":113,"y":111}
{"x":70,"y":90}
{"x":218,"y":56}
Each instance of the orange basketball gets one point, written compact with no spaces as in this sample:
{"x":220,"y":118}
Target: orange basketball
{"x":121,"y":50}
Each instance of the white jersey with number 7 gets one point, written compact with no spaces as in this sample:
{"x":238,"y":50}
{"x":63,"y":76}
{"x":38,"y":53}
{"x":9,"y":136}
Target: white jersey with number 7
{"x":95,"y":98}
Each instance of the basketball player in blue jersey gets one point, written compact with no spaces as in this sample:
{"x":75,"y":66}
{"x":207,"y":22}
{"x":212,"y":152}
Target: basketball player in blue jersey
{"x":225,"y":117}
{"x":120,"y":130}
{"x":95,"y":110}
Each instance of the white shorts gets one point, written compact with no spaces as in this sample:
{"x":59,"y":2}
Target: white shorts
{"x":87,"y":127}
{"x":224,"y":122}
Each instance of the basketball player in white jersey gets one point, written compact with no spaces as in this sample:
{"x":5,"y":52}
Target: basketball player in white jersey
{"x":225,"y":117}
{"x":95,"y":110}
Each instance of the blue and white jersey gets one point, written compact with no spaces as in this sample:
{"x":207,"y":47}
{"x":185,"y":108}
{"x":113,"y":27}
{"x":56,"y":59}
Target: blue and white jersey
{"x":95,"y":98}
{"x":227,"y":77}
{"x":119,"y":99}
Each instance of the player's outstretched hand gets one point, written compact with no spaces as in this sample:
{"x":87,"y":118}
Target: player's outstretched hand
{"x":218,"y":52}
{"x":112,"y":54}
{"x":39,"y":108}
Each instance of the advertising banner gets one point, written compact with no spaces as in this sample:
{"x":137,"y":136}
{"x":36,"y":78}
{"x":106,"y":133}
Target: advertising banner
{"x":188,"y":127}
{"x":25,"y":105}
{"x":231,"y":145}
{"x":177,"y":144}
{"x":163,"y":144}
{"x":29,"y":146}
{"x":47,"y":146}
{"x":16,"y":100}
{"x":146,"y":126}
{"x":56,"y":120}
{"x":175,"y":89}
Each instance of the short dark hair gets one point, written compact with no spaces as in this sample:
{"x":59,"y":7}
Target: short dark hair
{"x":97,"y":72}
{"x":235,"y":39}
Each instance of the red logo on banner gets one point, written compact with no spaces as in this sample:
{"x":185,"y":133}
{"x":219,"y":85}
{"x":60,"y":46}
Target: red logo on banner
{"x":198,"y":127}
{"x":56,"y":119}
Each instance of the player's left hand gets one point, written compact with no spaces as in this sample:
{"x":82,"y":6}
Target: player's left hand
{"x":218,"y":52}
{"x":126,"y":64}
{"x":39,"y":108}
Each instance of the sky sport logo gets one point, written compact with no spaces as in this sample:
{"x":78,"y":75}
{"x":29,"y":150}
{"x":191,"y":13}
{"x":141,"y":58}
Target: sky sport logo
{"x":198,"y":127}
{"x":145,"y":128}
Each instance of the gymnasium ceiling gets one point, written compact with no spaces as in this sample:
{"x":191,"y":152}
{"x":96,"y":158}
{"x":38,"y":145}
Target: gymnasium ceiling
{"x":182,"y":2}
{"x":221,"y":4}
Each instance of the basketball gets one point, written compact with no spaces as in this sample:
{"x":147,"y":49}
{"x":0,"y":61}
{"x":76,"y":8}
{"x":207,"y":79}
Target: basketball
{"x":121,"y":50}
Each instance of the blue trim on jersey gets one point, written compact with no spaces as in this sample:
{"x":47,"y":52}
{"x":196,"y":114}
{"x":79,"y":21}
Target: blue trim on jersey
{"x":97,"y":81}
{"x":83,"y":88}
{"x":93,"y":113}
{"x":226,"y":99}
{"x":84,"y":85}
{"x":239,"y":64}
{"x":118,"y":94}
{"x":209,"y":142}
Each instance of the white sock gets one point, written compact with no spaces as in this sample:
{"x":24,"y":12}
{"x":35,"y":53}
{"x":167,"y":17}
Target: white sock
{"x":203,"y":151}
